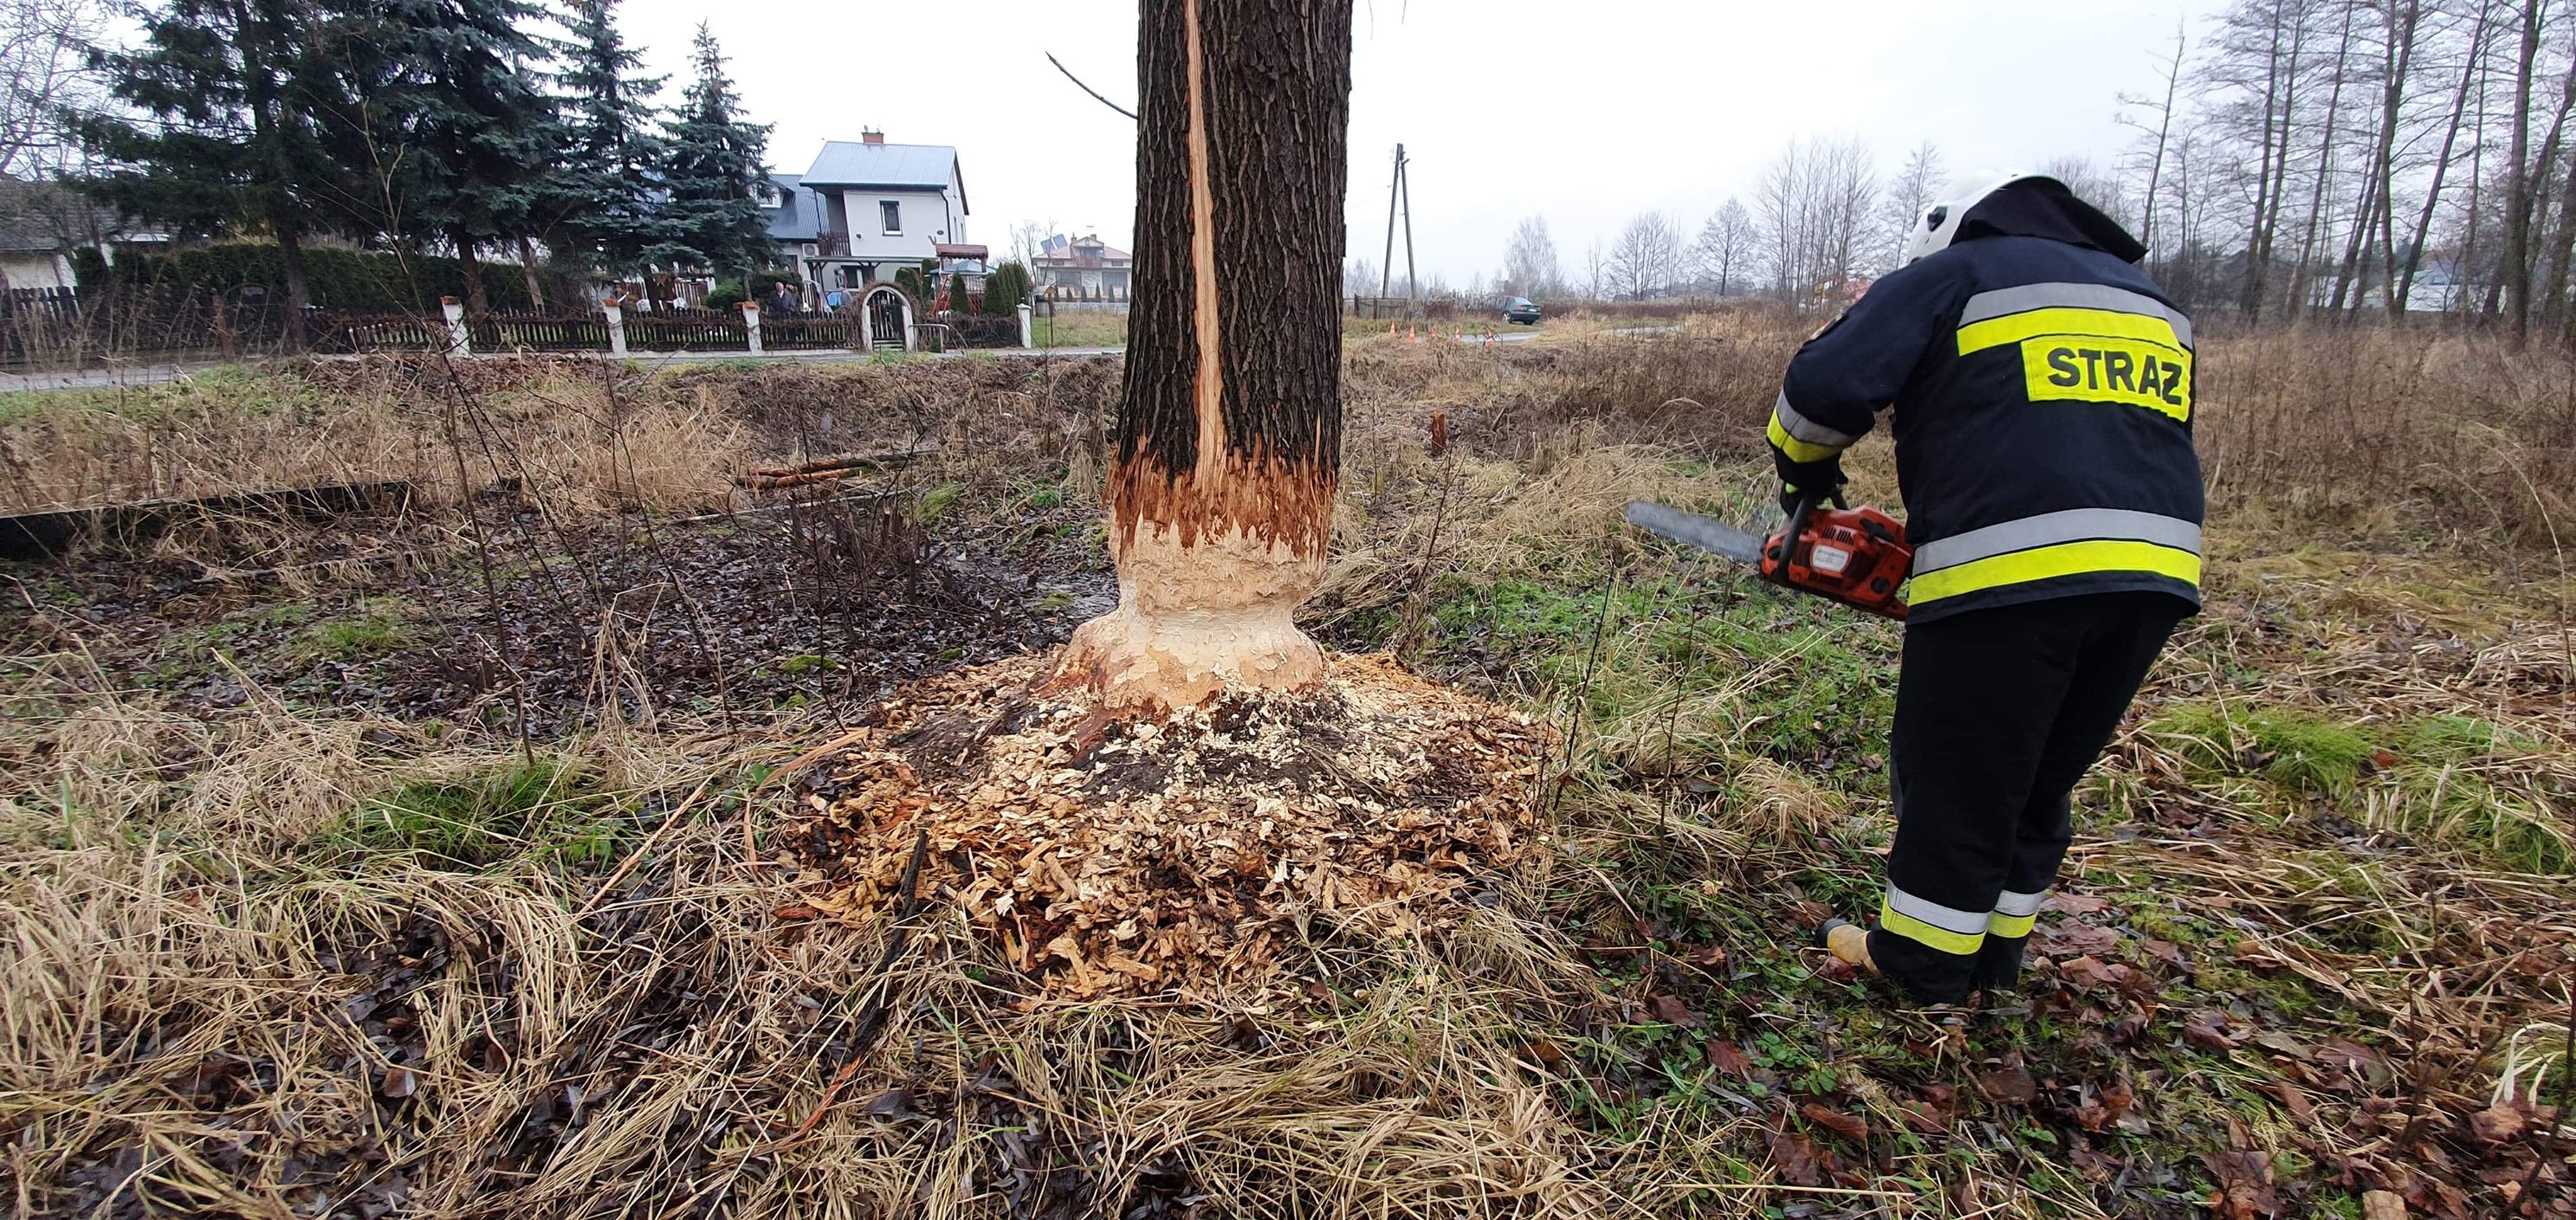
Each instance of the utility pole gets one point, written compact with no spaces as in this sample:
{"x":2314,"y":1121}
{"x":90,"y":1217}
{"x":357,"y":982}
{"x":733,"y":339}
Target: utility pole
{"x":1386,"y":265}
{"x":1404,"y":179}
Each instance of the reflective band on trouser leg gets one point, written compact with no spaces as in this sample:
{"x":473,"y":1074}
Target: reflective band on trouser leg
{"x":1947,"y":929}
{"x":2064,"y":559}
{"x":2014,"y":914}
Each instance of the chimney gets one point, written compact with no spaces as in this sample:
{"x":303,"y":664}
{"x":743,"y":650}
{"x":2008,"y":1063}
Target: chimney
{"x":869,"y":135}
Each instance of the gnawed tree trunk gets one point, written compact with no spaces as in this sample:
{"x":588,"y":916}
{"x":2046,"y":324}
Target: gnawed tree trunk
{"x":1229,"y":427}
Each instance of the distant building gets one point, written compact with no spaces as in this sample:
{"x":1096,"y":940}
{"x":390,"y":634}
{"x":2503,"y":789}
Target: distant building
{"x":1082,"y":269}
{"x":864,"y":210}
{"x":43,"y":224}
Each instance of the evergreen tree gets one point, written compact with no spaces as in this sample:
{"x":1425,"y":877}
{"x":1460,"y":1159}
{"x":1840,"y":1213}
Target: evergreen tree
{"x":956,"y":293}
{"x":1006,"y":288}
{"x":601,"y":195}
{"x":454,"y":88}
{"x":712,"y":219}
{"x":243,"y":101}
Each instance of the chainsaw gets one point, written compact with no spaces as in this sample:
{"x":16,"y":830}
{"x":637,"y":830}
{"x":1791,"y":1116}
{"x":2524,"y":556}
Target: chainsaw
{"x":1856,"y":556}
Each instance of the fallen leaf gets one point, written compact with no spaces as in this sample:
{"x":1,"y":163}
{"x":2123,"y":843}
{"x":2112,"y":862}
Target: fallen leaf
{"x":2165,"y":951}
{"x":1671,"y":1011}
{"x":399,"y":1082}
{"x":1928,"y":1117}
{"x":2130,"y":1025}
{"x":2069,"y":938}
{"x":2104,"y":1111}
{"x":793,"y":911}
{"x":2382,"y":1205}
{"x":1797,"y":1159}
{"x":892,"y":1103}
{"x":2210,"y":1028}
{"x":1727,"y":1057}
{"x":1544,"y":1051}
{"x":2074,"y":904}
{"x":2244,"y":1185}
{"x":2094,"y":1167}
{"x":2010,"y":1084}
{"x":2295,"y":1101}
{"x":2495,"y":1124}
{"x":2089,"y":972}
{"x":1848,"y":1126}
{"x":1706,"y":956}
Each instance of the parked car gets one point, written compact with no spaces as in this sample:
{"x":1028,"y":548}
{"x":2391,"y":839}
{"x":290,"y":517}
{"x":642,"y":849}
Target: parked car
{"x":1521,"y":310}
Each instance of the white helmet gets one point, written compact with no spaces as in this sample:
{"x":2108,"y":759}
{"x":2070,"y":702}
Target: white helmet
{"x":1935,"y":228}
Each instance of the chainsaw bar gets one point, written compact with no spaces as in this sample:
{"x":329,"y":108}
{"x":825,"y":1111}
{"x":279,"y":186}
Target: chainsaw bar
{"x":1706,"y":533}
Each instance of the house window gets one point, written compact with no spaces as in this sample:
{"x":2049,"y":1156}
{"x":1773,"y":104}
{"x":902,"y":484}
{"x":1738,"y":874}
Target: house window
{"x":767,"y":194}
{"x":891,"y":212}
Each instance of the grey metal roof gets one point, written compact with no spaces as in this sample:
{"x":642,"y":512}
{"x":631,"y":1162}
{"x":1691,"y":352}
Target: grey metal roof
{"x":798,"y":216}
{"x":846,"y":163}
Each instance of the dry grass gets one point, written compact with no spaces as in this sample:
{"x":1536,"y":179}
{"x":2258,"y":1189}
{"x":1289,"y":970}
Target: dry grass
{"x":191,"y":920}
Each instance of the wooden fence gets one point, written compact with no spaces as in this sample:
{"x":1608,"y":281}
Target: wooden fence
{"x":60,"y":327}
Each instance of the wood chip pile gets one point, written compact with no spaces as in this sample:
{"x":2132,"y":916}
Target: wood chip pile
{"x":1110,"y":856}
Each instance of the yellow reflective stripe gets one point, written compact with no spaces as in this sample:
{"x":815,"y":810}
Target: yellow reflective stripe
{"x":2013,"y":328}
{"x":1799,"y":451}
{"x":2009,"y":926}
{"x":2041,"y":563}
{"x":1896,"y":921}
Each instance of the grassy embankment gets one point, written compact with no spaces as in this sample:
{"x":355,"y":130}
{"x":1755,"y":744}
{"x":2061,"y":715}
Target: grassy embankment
{"x":2316,"y":939}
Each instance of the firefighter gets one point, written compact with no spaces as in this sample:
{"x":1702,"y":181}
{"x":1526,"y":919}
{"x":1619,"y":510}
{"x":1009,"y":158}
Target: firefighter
{"x":2039,"y":389}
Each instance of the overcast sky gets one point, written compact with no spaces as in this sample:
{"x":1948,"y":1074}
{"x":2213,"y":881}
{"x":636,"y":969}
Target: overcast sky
{"x":1584,"y":113}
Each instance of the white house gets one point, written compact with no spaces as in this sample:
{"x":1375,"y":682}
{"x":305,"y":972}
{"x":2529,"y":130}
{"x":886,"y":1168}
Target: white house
{"x":877,"y":208}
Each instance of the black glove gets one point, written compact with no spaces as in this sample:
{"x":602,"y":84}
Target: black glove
{"x":1800,"y":480}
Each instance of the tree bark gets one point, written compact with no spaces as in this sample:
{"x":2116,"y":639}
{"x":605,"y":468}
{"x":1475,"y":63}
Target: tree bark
{"x":2402,"y":285}
{"x":1227,"y":450}
{"x":528,"y":270}
{"x":2517,"y":203}
{"x":299,"y":287}
{"x":470,"y":269}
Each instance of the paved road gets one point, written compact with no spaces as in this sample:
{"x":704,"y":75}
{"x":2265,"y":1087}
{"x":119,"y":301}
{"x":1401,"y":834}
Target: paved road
{"x":165,"y":372}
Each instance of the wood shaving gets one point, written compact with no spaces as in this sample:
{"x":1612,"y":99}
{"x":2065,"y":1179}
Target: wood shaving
{"x":1116,"y":856}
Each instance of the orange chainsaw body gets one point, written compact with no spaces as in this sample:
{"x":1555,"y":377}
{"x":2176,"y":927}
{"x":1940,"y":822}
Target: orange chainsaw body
{"x":1856,"y":556}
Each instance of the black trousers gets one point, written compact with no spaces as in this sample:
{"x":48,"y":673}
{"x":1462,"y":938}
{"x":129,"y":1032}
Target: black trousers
{"x":1998,"y":713}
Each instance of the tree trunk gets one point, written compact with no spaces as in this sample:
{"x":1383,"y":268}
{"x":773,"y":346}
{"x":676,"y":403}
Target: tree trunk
{"x":2517,"y":202}
{"x":299,"y":288}
{"x":1230,"y":421}
{"x":470,"y":269}
{"x":528,"y":268}
{"x":2402,"y":285}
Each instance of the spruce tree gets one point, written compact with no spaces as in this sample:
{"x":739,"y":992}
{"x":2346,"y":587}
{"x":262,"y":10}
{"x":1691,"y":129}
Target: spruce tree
{"x":455,"y":88}
{"x":712,"y":218}
{"x":601,"y":195}
{"x":245,"y":102}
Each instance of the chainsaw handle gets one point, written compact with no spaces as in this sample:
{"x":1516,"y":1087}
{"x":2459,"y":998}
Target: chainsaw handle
{"x":1800,"y":508}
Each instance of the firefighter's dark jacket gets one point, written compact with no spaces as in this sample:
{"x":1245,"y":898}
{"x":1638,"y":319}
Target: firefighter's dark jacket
{"x":2040,"y":394}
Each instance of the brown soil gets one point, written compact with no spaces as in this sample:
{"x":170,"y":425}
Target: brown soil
{"x":1128,"y":855}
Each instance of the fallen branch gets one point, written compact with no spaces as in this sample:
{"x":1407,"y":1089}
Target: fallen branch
{"x":827,"y":468}
{"x":637,"y":856}
{"x":873,"y":1013}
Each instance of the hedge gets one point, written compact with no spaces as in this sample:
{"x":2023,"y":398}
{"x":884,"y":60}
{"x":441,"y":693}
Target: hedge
{"x":358,"y":280}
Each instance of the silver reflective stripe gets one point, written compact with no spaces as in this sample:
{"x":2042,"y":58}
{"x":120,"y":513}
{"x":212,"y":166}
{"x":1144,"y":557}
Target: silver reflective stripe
{"x":1948,"y":919}
{"x":2010,"y":903}
{"x":1808,"y":430}
{"x":2004,"y":301}
{"x":2048,"y":529}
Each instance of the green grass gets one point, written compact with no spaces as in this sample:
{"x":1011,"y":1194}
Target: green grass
{"x":553,"y":807}
{"x":1080,"y":328}
{"x":936,"y":501}
{"x":382,"y":625}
